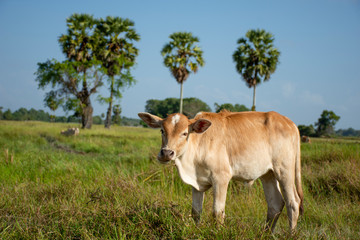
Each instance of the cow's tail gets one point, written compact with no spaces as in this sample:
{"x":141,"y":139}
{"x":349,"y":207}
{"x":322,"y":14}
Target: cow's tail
{"x":298,"y":178}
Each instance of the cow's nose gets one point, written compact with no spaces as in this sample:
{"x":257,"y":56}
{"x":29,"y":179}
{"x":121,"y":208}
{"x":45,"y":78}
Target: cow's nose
{"x":168,"y":153}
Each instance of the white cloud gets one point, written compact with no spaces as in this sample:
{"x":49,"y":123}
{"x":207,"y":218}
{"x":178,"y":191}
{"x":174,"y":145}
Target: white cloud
{"x":241,"y":97}
{"x":288,"y":89}
{"x":221,"y":95}
{"x":209,"y":94}
{"x":312,"y":98}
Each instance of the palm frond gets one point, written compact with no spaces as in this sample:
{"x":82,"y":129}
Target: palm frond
{"x":182,"y":52}
{"x":255,"y":57}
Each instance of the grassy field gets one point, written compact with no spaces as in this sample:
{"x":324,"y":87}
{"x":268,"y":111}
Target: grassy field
{"x":107,"y":184}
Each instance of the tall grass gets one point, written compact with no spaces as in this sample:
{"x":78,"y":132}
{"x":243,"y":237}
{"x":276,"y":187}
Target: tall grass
{"x":107,"y":184}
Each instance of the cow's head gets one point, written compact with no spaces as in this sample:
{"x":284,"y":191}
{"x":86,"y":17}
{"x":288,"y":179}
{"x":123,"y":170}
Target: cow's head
{"x":175,"y":131}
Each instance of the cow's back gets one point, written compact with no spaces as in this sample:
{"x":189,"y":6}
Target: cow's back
{"x":250,"y":139}
{"x":249,"y":125}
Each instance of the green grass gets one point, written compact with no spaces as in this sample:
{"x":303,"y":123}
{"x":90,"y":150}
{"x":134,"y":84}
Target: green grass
{"x":107,"y":184}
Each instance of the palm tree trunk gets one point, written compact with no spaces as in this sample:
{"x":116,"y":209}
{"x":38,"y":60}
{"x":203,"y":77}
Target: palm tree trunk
{"x":181,"y":98}
{"x":254,"y":99}
{"x":87,"y":110}
{"x":254,"y":95}
{"x":108,"y":114}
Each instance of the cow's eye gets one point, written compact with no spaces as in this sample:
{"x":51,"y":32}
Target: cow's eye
{"x":185,"y":134}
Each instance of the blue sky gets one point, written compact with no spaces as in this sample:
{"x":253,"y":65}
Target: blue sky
{"x":319,"y":43}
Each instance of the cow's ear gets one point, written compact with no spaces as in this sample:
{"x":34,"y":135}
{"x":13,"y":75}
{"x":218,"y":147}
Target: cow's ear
{"x":151,"y":120}
{"x":200,"y":126}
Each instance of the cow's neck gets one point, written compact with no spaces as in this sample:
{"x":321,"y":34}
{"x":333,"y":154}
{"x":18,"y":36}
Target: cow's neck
{"x":186,"y":164}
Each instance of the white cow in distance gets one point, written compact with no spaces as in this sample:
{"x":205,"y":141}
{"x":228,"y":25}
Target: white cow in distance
{"x":71,"y":132}
{"x":214,"y":148}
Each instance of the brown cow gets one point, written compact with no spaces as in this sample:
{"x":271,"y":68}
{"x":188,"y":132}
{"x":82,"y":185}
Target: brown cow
{"x":214,"y":148}
{"x":305,"y":139}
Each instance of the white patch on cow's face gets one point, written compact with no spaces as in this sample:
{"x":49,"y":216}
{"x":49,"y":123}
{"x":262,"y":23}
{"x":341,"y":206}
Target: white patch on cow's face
{"x":175,"y":119}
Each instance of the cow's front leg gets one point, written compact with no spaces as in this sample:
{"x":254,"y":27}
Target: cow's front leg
{"x":197,"y":204}
{"x":220,"y":190}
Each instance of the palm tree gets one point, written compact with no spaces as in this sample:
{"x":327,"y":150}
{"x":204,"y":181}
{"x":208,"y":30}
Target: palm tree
{"x":182,"y":57}
{"x":256,"y":58}
{"x":117,"y":53}
{"x":78,"y":45}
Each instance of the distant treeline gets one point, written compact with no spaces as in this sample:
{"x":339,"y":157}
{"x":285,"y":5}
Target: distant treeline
{"x":311,"y":132}
{"x":22,"y":114}
{"x":350,"y":132}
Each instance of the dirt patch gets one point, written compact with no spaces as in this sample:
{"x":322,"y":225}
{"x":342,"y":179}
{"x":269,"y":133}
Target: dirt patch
{"x":54,"y":143}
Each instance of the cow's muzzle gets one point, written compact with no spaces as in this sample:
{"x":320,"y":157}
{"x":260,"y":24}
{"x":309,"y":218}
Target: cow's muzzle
{"x":166,"y":155}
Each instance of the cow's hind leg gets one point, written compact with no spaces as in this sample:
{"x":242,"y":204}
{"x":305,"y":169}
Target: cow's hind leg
{"x":291,"y":197}
{"x":274,"y":199}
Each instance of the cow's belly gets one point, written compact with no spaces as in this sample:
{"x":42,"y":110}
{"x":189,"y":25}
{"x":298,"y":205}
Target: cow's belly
{"x":250,"y":168}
